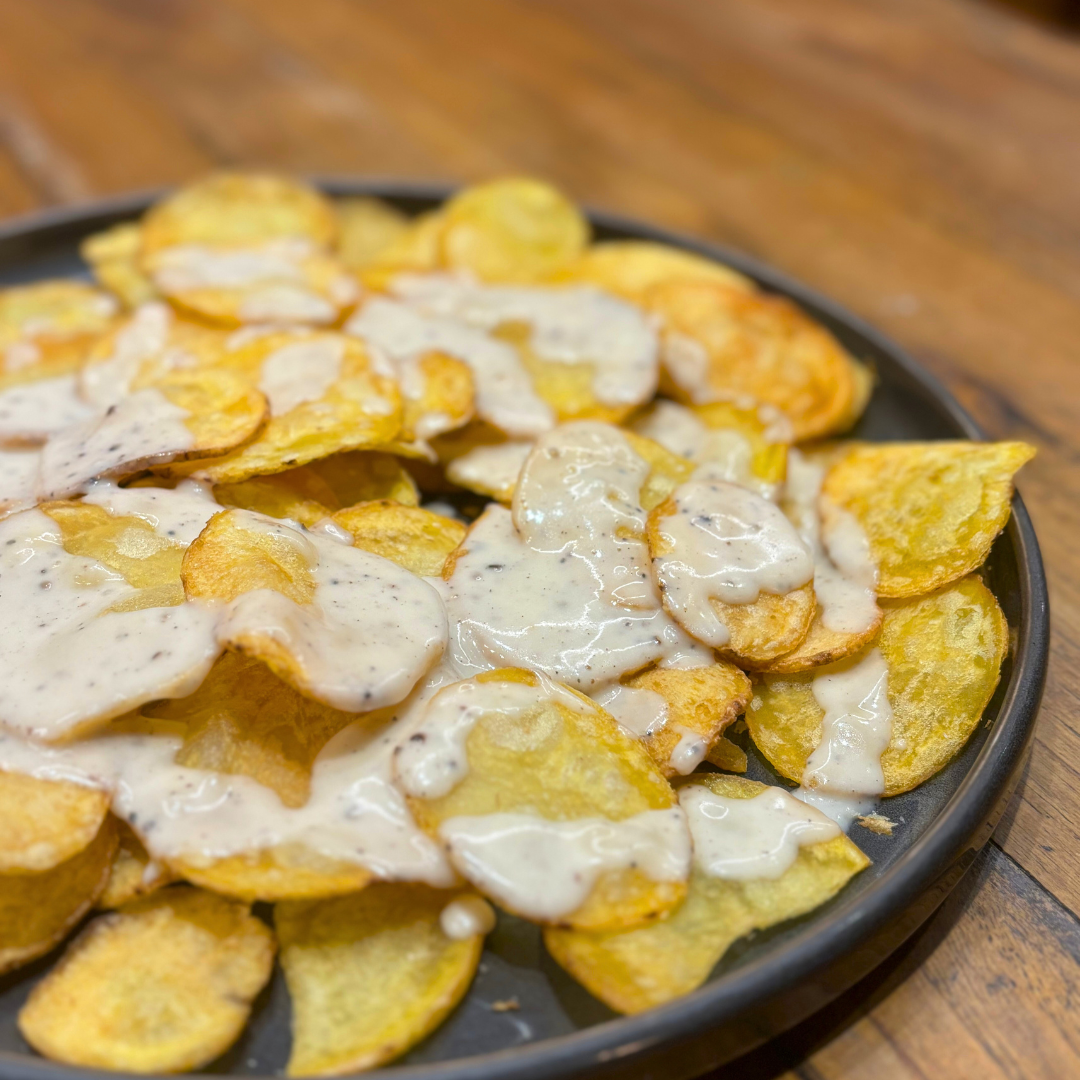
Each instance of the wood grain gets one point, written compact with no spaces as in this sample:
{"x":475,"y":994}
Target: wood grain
{"x":916,"y":161}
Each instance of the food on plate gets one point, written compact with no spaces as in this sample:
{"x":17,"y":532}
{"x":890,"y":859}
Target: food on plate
{"x":394,"y":570}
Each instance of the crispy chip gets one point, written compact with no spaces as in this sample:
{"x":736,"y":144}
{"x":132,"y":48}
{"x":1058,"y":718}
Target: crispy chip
{"x":666,"y":470}
{"x":944,"y":653}
{"x":726,"y":755}
{"x":245,"y":720}
{"x":822,"y":646}
{"x":700,"y":701}
{"x":630,"y":268}
{"x":37,"y":909}
{"x":164,"y":985}
{"x":721,"y":342}
{"x":930,"y":510}
{"x":496,"y":466}
{"x":562,"y":764}
{"x":511,"y":230}
{"x":356,"y":410}
{"x":416,"y":539}
{"x":113,"y":256}
{"x":133,"y":872}
{"x":368,"y":227}
{"x":369,"y":975}
{"x":638,"y":969}
{"x":415,"y":250}
{"x":437,"y":396}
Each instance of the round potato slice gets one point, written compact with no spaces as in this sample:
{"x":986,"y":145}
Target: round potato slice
{"x":113,"y":256}
{"x":943,"y":653}
{"x":416,"y":250}
{"x":133,"y":873}
{"x":414,"y":538}
{"x":164,"y":985}
{"x":38,"y":909}
{"x":638,"y":969}
{"x":373,"y":973}
{"x":367,"y":228}
{"x":545,"y":803}
{"x":513,"y":230}
{"x":720,"y":342}
{"x":929,"y":510}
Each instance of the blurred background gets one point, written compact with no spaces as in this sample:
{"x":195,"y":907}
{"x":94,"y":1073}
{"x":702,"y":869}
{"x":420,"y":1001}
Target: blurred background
{"x":916,"y":160}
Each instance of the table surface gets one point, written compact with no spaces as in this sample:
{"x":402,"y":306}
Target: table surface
{"x":916,"y":161}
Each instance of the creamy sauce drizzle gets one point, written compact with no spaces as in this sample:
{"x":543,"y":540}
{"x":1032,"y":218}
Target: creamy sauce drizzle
{"x":644,"y":713}
{"x":300,"y":372}
{"x":32,"y":411}
{"x":546,"y":869}
{"x":504,"y":392}
{"x":490,"y":468}
{"x":146,"y":335}
{"x":747,"y":839}
{"x":467,"y":917}
{"x":178,"y":515}
{"x":726,"y":543}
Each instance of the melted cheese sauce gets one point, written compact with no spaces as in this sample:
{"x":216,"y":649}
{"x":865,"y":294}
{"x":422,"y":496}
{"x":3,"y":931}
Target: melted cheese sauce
{"x":105,"y":382}
{"x":573,"y":325}
{"x":748,"y":839}
{"x":143,"y":429}
{"x":845,"y":589}
{"x":300,"y":372}
{"x":726,"y":543}
{"x":490,"y":468}
{"x":546,"y":869}
{"x":504,"y":392}
{"x":355,"y":655}
{"x":30,"y":412}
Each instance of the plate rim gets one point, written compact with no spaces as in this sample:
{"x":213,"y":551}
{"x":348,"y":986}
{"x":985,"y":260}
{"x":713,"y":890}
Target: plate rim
{"x":937,"y":858}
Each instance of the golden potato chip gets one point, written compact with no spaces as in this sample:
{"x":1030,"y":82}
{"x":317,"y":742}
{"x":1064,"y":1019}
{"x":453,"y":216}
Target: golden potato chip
{"x":721,"y":342}
{"x":370,"y":974}
{"x":46,"y":822}
{"x":666,"y":470}
{"x":727,"y":755}
{"x":512,"y":230}
{"x":113,"y":256}
{"x":822,"y":646}
{"x":943,"y":652}
{"x":630,"y":268}
{"x":638,"y":969}
{"x":245,"y":720}
{"x":414,"y":538}
{"x":37,"y":909}
{"x":239,"y":209}
{"x":541,"y":757}
{"x":416,"y":250}
{"x":930,"y":510}
{"x":163,"y":985}
{"x":437,"y":396}
{"x":701,"y":703}
{"x":325,"y":397}
{"x":367,"y":228}
{"x":133,"y":873}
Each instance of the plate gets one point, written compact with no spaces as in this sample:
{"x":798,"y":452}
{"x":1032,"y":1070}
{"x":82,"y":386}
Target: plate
{"x":768,"y":982}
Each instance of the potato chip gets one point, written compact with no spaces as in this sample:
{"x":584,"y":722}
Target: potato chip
{"x":370,"y":974}
{"x":490,"y":469}
{"x":48,"y":326}
{"x":325,"y":397}
{"x":721,"y":342}
{"x":164,"y":985}
{"x":437,"y":396}
{"x":727,"y":755}
{"x":46,"y":822}
{"x":630,"y":268}
{"x":512,"y":230}
{"x":666,"y":470}
{"x":113,"y":256}
{"x":930,"y":510}
{"x":37,"y":909}
{"x":133,"y":872}
{"x":416,"y":250}
{"x":700,"y":704}
{"x":944,"y":653}
{"x":245,"y":720}
{"x":367,"y":228}
{"x":822,"y":646}
{"x":546,"y":760}
{"x":638,"y":969}
{"x":416,"y":539}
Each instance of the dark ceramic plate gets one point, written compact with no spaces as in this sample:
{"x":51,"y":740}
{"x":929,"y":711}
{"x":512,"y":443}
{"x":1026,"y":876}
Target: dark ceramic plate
{"x":770,"y":981}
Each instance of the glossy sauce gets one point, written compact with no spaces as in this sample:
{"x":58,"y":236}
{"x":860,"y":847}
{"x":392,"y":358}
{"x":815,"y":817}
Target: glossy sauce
{"x":300,"y":372}
{"x":490,"y":468}
{"x":18,"y":479}
{"x":467,"y":917}
{"x":145,"y":336}
{"x":30,"y":412}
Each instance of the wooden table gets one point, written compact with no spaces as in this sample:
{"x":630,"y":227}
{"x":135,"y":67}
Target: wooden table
{"x":919,"y":161}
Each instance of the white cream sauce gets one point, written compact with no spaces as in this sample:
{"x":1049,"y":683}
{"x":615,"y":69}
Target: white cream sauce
{"x":18,"y":479}
{"x":142,"y":429}
{"x":727,"y":543}
{"x":466,"y":917}
{"x":748,"y":839}
{"x":300,"y":372}
{"x":844,"y":772}
{"x":194,"y":266}
{"x":644,"y":713}
{"x":504,"y":392}
{"x":546,"y":869}
{"x":490,"y":468}
{"x":284,"y":302}
{"x":356,"y":653}
{"x":145,"y":336}
{"x":30,"y":412}
{"x":845,"y":589}
{"x":65,"y":658}
{"x":179,"y":514}
{"x":687,"y":362}
{"x":570,"y":325}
